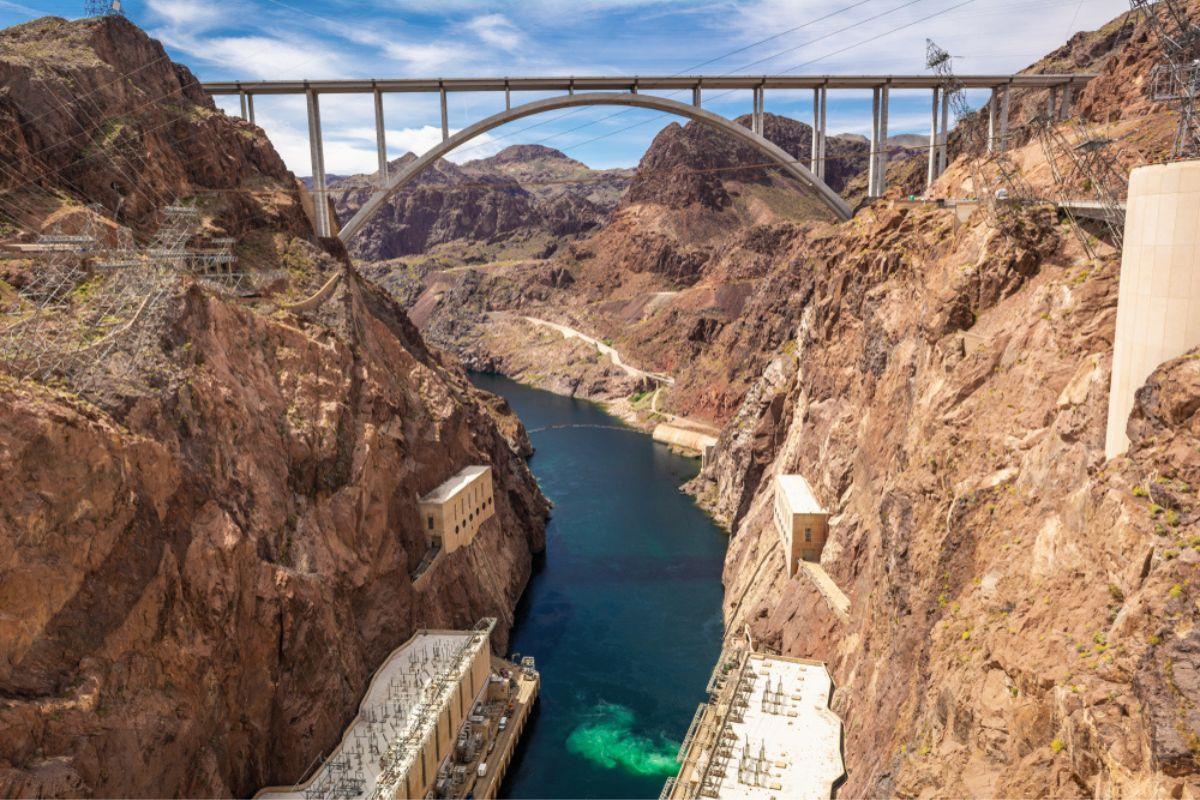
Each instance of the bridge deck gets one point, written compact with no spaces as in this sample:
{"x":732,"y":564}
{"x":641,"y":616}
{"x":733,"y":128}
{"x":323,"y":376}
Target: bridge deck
{"x":641,"y":82}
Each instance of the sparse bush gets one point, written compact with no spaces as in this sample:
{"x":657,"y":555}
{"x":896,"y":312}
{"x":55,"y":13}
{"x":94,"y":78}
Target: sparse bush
{"x":1175,"y":591}
{"x":1057,"y":746}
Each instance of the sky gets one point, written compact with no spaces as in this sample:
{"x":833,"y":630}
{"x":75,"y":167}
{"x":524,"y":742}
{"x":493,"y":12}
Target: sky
{"x":292,"y":39}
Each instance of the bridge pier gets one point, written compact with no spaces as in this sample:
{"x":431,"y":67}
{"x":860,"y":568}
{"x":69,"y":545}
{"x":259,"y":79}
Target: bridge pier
{"x":696,"y":95}
{"x":991,"y":109}
{"x":877,"y":161}
{"x":944,"y":134}
{"x":818,"y":133}
{"x":931,"y":167}
{"x":756,"y":124}
{"x":881,"y":157}
{"x":1064,"y":109}
{"x":242,"y":97}
{"x":320,"y":205}
{"x":1003,"y":143}
{"x":445,"y":113}
{"x":381,"y":138}
{"x":507,"y":96}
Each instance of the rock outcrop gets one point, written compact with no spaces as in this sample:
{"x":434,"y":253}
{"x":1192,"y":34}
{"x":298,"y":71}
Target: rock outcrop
{"x":522,"y":200}
{"x":200,"y":569}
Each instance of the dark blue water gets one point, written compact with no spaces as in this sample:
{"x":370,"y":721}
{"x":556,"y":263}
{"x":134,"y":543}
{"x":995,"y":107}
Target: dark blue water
{"x":623,"y":616}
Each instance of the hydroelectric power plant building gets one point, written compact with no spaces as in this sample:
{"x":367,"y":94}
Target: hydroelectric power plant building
{"x":453,"y":512}
{"x":439,"y":719}
{"x":802,"y":523}
{"x":766,"y":733}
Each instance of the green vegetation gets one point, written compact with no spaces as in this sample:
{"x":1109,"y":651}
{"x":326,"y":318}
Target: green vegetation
{"x":1175,"y":591}
{"x":1057,"y":746}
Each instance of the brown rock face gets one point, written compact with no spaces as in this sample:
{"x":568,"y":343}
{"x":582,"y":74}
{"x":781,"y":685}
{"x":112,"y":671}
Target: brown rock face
{"x":93,"y":109}
{"x":523,"y":193}
{"x":200,"y":570}
{"x":690,"y":164}
{"x":196,"y":593}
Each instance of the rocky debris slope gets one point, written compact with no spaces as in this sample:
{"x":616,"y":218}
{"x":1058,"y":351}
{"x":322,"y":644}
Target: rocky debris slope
{"x":523,"y":199}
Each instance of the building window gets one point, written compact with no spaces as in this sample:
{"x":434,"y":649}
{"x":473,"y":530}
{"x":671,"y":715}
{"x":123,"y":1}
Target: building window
{"x":431,"y":523}
{"x":808,"y":534}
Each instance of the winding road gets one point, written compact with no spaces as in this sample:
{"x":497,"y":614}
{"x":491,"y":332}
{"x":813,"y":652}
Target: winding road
{"x":608,"y":350}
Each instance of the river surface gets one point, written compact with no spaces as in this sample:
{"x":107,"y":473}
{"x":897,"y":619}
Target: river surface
{"x":624,"y":614}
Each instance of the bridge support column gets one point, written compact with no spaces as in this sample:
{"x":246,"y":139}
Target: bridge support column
{"x":821,"y":157}
{"x":250,"y":107}
{"x":756,"y":123}
{"x":507,"y":96}
{"x":381,"y":138}
{"x":1064,"y":108}
{"x":445,"y":115}
{"x":696,"y":95}
{"x":881,"y":158}
{"x":320,"y":204}
{"x":943,"y":149}
{"x":1003,"y":140}
{"x":931,"y":167}
{"x":242,"y":97}
{"x":818,"y":133}
{"x":991,"y":106}
{"x":873,"y":153}
{"x":1052,"y":103}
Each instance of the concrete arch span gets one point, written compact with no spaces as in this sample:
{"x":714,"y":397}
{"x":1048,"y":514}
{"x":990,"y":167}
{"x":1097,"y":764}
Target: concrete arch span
{"x":770,"y":151}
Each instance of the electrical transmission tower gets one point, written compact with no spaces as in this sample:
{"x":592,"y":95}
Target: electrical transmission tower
{"x":103,"y":8}
{"x":1087,"y":166}
{"x":974,"y":147}
{"x":1176,"y":79}
{"x":90,"y":314}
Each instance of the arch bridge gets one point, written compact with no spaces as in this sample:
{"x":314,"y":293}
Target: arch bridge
{"x":627,"y":91}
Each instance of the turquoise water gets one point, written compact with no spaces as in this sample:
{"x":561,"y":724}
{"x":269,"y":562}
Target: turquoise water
{"x":624,"y":613}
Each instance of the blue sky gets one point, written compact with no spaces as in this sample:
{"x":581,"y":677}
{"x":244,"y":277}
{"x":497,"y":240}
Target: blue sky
{"x":264,"y":39}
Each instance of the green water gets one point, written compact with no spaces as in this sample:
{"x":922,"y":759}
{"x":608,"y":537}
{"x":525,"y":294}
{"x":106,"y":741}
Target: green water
{"x":623,"y":615}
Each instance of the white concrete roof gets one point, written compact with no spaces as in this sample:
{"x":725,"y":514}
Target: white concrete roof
{"x":799,"y":494}
{"x":455,"y":484}
{"x":386,"y":717}
{"x":800,"y":737}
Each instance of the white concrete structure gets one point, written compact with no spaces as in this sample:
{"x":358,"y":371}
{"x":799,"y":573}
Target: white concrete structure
{"x":767,"y":735}
{"x":453,"y":512}
{"x":802,"y":523}
{"x":407,"y":721}
{"x":1158,"y":305}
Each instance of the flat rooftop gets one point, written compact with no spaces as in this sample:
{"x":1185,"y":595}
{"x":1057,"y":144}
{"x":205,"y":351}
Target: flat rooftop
{"x":374,"y":742}
{"x":454,"y":484}
{"x":799,"y":494}
{"x":788,"y":743}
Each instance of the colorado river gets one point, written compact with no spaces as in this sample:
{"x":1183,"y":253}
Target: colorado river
{"x":624,"y":616}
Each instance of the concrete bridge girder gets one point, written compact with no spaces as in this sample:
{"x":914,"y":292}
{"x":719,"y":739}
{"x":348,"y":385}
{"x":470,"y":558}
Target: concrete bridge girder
{"x":768,"y":149}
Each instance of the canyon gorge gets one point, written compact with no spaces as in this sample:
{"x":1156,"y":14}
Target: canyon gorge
{"x":208,"y":546}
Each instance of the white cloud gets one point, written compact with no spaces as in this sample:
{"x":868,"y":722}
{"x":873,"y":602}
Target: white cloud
{"x":190,"y":14}
{"x":428,"y":58}
{"x":496,"y":30}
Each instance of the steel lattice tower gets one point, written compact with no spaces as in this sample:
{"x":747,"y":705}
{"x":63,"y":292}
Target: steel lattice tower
{"x":1176,"y":79}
